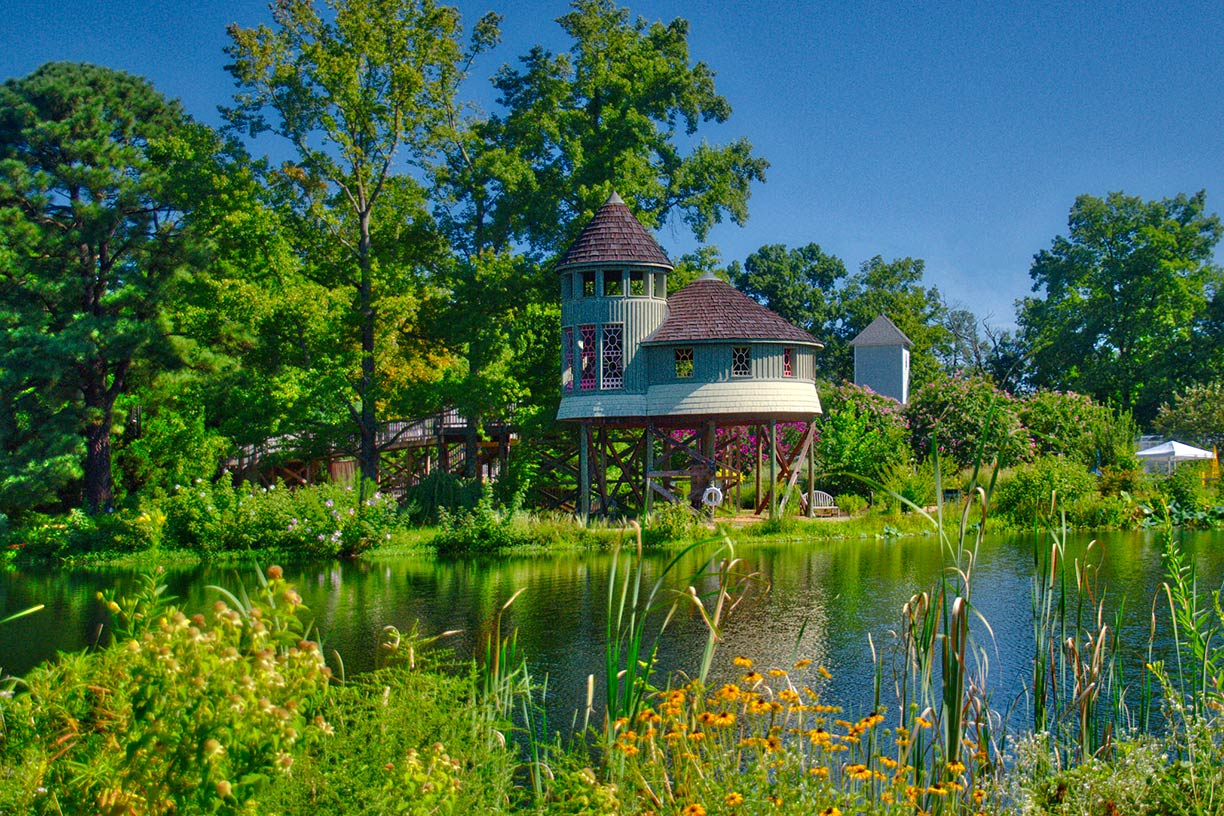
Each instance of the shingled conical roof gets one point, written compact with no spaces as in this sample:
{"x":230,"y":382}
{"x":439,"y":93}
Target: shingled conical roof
{"x":614,"y":235}
{"x":709,"y":309}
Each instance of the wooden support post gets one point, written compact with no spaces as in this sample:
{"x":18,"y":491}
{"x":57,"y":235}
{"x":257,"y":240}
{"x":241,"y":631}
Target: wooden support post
{"x":649,"y":459}
{"x":773,"y":468}
{"x":811,"y":485}
{"x":759,"y":464}
{"x":584,"y":473}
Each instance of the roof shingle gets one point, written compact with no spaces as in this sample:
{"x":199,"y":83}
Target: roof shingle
{"x":614,"y":235}
{"x":711,"y":309}
{"x":882,"y":332}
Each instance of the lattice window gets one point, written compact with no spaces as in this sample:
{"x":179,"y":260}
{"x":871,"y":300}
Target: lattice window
{"x":637,"y":284}
{"x":613,"y":356}
{"x":788,"y":365}
{"x":586,"y":353}
{"x":684,"y":363}
{"x":567,"y":358}
{"x":588,"y":284}
{"x":614,"y":285}
{"x":660,"y":285}
{"x":741,"y":361}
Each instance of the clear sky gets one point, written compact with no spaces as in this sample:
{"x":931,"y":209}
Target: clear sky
{"x":959,"y":133}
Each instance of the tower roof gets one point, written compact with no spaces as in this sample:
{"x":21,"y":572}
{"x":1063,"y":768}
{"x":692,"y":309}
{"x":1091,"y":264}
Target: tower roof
{"x":709,"y":309}
{"x":882,"y":332}
{"x":614,"y":235}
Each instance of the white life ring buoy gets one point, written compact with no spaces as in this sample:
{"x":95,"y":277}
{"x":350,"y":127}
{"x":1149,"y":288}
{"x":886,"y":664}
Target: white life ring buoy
{"x":712,"y":497}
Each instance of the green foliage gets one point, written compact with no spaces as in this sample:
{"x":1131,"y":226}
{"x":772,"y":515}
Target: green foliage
{"x":851,"y":504}
{"x":1121,"y":297}
{"x":798,"y":284}
{"x":669,"y":521}
{"x":320,"y":520}
{"x":861,"y":433}
{"x":1072,"y":425}
{"x":180,"y":715}
{"x":913,"y":483}
{"x":403,"y":738}
{"x":893,"y":288}
{"x":1035,"y":488}
{"x":1195,"y":414}
{"x":96,"y":173}
{"x":971,"y":420}
{"x":1184,"y":486}
{"x":174,"y":447}
{"x":485,"y":528}
{"x":358,"y":92}
{"x":441,"y":491}
{"x":615,"y":111}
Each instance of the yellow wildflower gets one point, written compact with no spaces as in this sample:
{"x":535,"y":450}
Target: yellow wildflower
{"x":732,"y":799}
{"x":742,"y":662}
{"x":695,"y":809}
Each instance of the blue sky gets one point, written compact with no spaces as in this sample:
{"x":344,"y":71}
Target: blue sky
{"x":959,"y":133}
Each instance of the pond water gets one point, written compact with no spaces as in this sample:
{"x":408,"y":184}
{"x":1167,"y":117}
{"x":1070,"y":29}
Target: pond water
{"x":823,"y":601}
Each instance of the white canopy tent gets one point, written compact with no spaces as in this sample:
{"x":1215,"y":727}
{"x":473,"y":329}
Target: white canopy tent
{"x":1171,"y":453}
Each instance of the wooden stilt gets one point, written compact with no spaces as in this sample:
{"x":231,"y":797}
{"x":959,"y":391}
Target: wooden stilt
{"x":584,"y":472}
{"x":647,"y":499}
{"x":773,"y":468}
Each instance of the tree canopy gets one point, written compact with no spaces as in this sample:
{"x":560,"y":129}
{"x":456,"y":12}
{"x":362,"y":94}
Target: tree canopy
{"x":1123,"y":299}
{"x":93,"y":196}
{"x":615,"y":113}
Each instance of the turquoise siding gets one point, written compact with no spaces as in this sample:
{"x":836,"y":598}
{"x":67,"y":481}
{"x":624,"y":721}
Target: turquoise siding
{"x":640,"y":315}
{"x":712,"y":363}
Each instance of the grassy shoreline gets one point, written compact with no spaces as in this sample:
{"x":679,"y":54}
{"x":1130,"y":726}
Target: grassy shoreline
{"x":532,"y":536}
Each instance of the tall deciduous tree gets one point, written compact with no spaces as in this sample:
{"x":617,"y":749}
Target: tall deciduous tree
{"x":362,"y":93}
{"x":1123,"y":299}
{"x":893,"y":288}
{"x":92,"y":202}
{"x":615,"y":112}
{"x":799,"y":284}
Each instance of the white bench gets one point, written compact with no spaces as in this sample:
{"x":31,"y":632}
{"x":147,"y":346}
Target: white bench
{"x":823,"y":504}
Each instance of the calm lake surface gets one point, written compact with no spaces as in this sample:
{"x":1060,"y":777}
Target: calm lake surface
{"x":824,"y":601}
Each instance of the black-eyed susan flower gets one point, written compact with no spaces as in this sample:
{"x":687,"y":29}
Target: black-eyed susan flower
{"x":733,"y":799}
{"x":695,"y":809}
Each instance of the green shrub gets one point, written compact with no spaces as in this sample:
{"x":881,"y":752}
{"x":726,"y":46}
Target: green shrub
{"x":1184,"y":486}
{"x":483,"y":529}
{"x":970,"y":419}
{"x":669,"y":521}
{"x":851,"y":504}
{"x":1116,"y":480}
{"x":441,"y":491}
{"x":1072,"y":425}
{"x":914,"y":483}
{"x":178,"y":715}
{"x":861,"y":433}
{"x":403,"y":737}
{"x":1028,"y":491}
{"x":319,"y":520}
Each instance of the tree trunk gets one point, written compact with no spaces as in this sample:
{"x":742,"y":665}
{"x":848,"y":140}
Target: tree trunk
{"x":368,"y":422}
{"x":99,"y":491}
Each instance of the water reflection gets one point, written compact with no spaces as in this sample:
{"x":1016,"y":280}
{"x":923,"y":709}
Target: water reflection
{"x":823,"y":601}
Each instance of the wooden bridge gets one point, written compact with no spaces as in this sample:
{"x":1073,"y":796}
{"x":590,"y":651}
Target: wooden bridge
{"x":409,"y":450}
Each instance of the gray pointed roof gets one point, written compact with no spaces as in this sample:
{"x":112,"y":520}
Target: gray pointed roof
{"x":614,"y":235}
{"x":882,"y":332}
{"x":709,"y":309}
